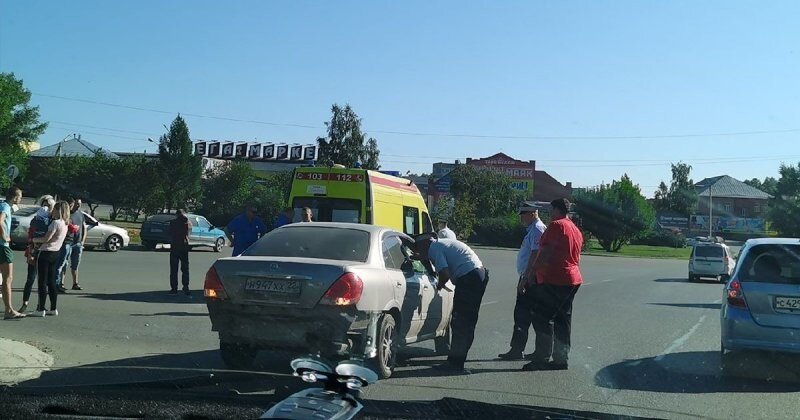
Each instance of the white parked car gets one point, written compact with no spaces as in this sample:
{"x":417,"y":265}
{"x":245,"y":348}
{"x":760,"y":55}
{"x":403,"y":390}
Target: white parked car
{"x":99,"y":235}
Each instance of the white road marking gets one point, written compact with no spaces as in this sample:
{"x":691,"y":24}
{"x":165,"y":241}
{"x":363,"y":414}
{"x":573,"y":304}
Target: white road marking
{"x":681,"y":340}
{"x":491,"y":302}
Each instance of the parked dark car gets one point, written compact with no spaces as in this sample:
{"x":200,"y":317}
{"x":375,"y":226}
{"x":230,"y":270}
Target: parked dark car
{"x":155,"y":230}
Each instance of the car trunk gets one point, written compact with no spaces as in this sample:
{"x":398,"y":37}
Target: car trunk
{"x":278,"y":281}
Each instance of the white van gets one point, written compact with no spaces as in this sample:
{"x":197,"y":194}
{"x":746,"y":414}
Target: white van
{"x":711,"y":259}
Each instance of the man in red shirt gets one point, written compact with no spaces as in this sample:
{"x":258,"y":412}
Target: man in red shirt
{"x":556,"y":271}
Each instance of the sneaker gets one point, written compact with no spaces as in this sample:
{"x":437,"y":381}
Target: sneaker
{"x":62,"y":290}
{"x":23,"y":308}
{"x":39,"y":314}
{"x":77,"y":287}
{"x":53,"y":312}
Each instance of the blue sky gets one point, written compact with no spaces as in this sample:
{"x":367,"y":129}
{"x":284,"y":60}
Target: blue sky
{"x":525,"y":68}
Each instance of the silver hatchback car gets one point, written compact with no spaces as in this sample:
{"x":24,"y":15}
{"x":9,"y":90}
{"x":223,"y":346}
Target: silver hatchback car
{"x":761,"y":302}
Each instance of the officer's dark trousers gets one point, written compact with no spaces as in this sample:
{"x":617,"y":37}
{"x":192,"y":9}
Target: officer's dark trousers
{"x":466,"y":305}
{"x":523,"y":319}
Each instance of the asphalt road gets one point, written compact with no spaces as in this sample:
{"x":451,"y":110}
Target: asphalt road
{"x":645,"y":343}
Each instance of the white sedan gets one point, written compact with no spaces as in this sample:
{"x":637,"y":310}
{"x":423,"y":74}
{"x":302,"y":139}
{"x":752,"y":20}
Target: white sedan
{"x":98,"y":234}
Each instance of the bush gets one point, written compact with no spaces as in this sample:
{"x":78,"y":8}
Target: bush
{"x":661,"y":238}
{"x":500,"y":231}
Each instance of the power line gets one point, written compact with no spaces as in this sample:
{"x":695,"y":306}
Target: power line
{"x":452,"y":135}
{"x":104,"y":128}
{"x":99,"y":134}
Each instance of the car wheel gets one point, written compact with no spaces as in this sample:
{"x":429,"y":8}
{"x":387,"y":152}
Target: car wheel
{"x":150,"y":246}
{"x":219,"y":244}
{"x":114,"y":243}
{"x":442,"y":344}
{"x":384,"y":361}
{"x":692,"y":278}
{"x":237,"y":356}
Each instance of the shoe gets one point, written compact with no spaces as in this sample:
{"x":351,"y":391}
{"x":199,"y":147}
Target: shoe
{"x":77,"y":287}
{"x":511,"y":355}
{"x":39,"y":314}
{"x":451,"y":369}
{"x":187,"y":292}
{"x":62,"y":290}
{"x":15,"y":315}
{"x":53,"y":312}
{"x":173,"y":292}
{"x":537,"y":366}
{"x":23,"y":308}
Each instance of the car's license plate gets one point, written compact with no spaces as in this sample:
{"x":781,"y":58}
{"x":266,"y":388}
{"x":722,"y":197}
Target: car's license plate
{"x":286,"y":287}
{"x":787,"y":303}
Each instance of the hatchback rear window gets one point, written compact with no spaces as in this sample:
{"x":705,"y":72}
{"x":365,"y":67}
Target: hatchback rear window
{"x":771,"y":263}
{"x":313,"y":242}
{"x":161,"y":218}
{"x":708,"y":251}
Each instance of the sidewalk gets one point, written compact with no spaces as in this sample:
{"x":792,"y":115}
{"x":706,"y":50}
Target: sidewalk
{"x":21,"y":362}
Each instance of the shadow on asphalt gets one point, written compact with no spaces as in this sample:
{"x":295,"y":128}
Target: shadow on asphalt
{"x":699,"y":373}
{"x":683,"y":280}
{"x":173,"y":314}
{"x":158,"y":296}
{"x":691,"y":305}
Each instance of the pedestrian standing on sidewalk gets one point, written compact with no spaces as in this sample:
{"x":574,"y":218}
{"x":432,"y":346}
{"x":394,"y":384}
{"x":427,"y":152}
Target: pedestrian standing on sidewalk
{"x":529,"y":216}
{"x":13,"y":197}
{"x":51,"y":244}
{"x":78,"y":241}
{"x":557,"y":272}
{"x":179,"y":229}
{"x":245,"y":229}
{"x":457,"y":262}
{"x":39,"y":225}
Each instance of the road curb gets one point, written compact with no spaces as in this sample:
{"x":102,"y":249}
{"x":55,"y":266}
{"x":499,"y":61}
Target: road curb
{"x":21,"y":362}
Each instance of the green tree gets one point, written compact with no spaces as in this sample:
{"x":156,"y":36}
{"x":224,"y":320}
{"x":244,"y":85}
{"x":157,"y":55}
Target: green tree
{"x":769,"y":185}
{"x":463,"y":218}
{"x":489,"y":192}
{"x":661,"y":197}
{"x":346,"y":143}
{"x":19,"y":124}
{"x":784,"y":211}
{"x":682,"y":194}
{"x":180,"y":168}
{"x":614,"y":213}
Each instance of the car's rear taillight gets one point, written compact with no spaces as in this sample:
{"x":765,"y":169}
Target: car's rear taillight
{"x":212,"y":287}
{"x":346,"y":290}
{"x":735,"y":294}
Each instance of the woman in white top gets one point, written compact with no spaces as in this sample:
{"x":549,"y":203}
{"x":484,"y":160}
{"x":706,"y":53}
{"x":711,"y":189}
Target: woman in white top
{"x":48,"y":256}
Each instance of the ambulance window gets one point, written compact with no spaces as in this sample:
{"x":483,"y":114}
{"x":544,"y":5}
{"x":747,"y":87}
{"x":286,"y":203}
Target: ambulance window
{"x":329,"y":209}
{"x":426,"y":223}
{"x":411,"y":220}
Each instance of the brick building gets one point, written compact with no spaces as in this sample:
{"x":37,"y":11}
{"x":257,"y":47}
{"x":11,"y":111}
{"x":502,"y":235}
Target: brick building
{"x":737,"y":207}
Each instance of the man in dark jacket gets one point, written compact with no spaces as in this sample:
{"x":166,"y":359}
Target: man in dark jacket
{"x":179,"y":229}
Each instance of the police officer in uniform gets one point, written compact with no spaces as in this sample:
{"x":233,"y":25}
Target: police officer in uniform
{"x":523,"y":319}
{"x":456,"y":262}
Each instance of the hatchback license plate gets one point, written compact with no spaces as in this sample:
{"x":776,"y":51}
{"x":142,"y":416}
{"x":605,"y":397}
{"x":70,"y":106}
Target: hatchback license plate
{"x":285,"y":287}
{"x":787,"y":303}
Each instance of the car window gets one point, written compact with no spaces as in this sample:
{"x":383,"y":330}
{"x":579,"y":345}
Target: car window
{"x":203,"y":223}
{"x":393,"y":256}
{"x":313,"y":242}
{"x":708,"y":251}
{"x":771,"y":263}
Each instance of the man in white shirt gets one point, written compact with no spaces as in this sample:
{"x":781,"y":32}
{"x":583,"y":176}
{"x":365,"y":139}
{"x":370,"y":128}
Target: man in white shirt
{"x":444,"y":231}
{"x":457,"y":262}
{"x":529,"y":215}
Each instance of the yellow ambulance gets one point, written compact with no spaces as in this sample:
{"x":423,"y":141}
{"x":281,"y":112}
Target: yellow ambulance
{"x":339,"y":194}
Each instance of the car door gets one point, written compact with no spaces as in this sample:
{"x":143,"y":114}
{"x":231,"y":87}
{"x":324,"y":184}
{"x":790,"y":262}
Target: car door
{"x":431,"y":302}
{"x":408,"y":288}
{"x":196,"y":235}
{"x":94,"y":235}
{"x":207,"y":237}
